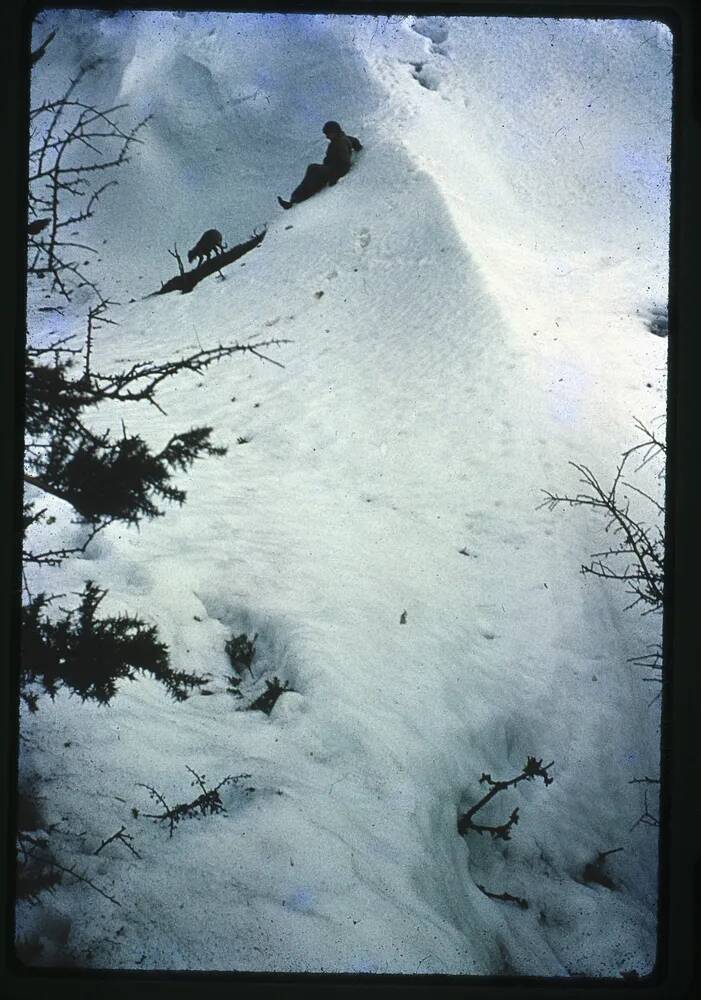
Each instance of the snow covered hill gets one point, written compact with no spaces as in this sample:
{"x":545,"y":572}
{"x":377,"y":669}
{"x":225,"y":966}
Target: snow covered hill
{"x":462,"y":315}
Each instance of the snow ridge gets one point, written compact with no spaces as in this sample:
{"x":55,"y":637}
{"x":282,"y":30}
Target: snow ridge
{"x":378,"y":530}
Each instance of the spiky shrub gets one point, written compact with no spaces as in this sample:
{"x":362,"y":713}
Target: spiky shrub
{"x":89,"y":655}
{"x":104,"y":477}
{"x":267,"y":701}
{"x":636,"y":555}
{"x":207,"y":803}
{"x":241,"y":651}
{"x":533,"y":768}
{"x":35,"y":873}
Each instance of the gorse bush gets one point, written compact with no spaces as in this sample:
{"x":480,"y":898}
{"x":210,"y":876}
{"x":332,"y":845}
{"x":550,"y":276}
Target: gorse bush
{"x":635,"y":557}
{"x":104,"y":477}
{"x":35,"y":872}
{"x":207,"y":803}
{"x":89,"y":655}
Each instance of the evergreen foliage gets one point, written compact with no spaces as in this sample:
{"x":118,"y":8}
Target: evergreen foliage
{"x":104,"y":477}
{"x":89,"y":655}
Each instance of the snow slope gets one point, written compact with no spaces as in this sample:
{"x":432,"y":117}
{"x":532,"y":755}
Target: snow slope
{"x":463,"y":317}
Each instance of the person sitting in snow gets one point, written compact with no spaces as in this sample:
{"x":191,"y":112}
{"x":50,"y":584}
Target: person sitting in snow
{"x":337,"y":162}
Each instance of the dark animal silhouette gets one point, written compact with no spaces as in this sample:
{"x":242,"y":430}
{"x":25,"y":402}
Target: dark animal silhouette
{"x":337,"y":163}
{"x":37,"y":225}
{"x":208,"y":242}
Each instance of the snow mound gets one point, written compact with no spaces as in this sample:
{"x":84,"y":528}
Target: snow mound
{"x":375,"y":520}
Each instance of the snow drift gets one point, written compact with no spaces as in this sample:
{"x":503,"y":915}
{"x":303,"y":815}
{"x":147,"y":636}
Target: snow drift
{"x":462,"y":314}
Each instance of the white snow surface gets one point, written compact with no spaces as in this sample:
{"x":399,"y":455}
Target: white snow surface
{"x":486,"y":269}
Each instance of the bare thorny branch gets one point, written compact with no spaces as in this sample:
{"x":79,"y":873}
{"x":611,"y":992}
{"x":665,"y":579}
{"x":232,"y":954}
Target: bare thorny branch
{"x":36,"y":849}
{"x":637,"y":556}
{"x":139,"y":382}
{"x":60,"y":128}
{"x":646,"y":818}
{"x":54,"y":557}
{"x":123,"y":837}
{"x":533,"y":768}
{"x":207,"y":803}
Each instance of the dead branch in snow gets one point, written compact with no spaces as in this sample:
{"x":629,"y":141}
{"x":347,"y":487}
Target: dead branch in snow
{"x":533,"y":768}
{"x":185,"y":281}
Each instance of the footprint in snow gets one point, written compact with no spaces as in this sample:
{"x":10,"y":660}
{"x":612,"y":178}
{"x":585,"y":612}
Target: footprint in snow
{"x":426,"y":78}
{"x":363,"y":238}
{"x":433,"y":28}
{"x":657,"y":320}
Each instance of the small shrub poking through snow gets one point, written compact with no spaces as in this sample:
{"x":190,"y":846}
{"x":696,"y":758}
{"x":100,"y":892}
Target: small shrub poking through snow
{"x":88,"y":655}
{"x":533,"y":768}
{"x":636,"y":555}
{"x":266,"y":701}
{"x":595,"y":871}
{"x":35,"y":872}
{"x":240,"y":650}
{"x":208,"y":803}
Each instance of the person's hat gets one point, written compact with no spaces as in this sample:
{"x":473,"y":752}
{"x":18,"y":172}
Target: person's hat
{"x":332,"y":127}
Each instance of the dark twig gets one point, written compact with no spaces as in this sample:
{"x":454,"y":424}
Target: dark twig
{"x":638,"y":556}
{"x":505,"y":897}
{"x":38,"y":53}
{"x":124,"y":837}
{"x":208,"y":803}
{"x":30,"y":846}
{"x":646,"y":818}
{"x":533,"y":768}
{"x":595,"y":870}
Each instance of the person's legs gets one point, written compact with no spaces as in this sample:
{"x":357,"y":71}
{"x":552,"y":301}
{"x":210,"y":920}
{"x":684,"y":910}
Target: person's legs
{"x":315,"y":179}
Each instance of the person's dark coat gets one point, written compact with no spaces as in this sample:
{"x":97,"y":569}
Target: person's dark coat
{"x":338,"y":155}
{"x":337,"y":163}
